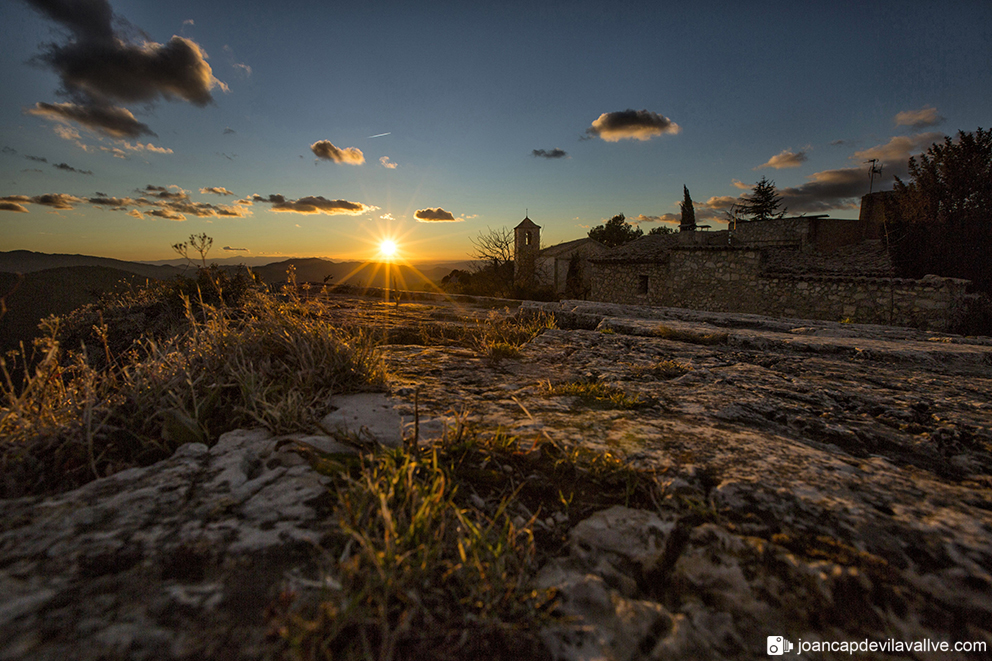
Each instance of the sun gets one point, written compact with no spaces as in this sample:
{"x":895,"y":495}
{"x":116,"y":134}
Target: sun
{"x":387,"y":248}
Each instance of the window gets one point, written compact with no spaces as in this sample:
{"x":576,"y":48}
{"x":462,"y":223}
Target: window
{"x":527,"y":238}
{"x":642,"y":285}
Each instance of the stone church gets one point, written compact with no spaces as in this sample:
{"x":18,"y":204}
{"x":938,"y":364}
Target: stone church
{"x":566,"y":267}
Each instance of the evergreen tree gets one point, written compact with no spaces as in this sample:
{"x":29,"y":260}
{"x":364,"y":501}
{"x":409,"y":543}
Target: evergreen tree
{"x":661,"y":229}
{"x":688,"y":213}
{"x":616,"y":232}
{"x":762,"y":203}
{"x":944,"y":223}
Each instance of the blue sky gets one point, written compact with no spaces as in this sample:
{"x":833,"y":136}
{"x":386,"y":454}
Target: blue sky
{"x":271,"y":150}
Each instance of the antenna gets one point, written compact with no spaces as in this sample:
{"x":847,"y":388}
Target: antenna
{"x":872,"y":171}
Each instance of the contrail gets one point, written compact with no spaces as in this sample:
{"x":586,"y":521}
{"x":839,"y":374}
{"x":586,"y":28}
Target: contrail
{"x":378,"y":135}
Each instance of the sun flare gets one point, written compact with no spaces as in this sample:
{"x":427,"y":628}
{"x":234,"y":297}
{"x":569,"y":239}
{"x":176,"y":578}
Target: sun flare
{"x":388,"y":248}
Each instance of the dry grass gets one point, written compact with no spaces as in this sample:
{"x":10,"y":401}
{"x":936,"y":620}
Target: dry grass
{"x":68,"y":416}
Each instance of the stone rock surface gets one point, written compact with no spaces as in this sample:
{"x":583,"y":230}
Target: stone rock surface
{"x":819,"y":481}
{"x":176,"y":560}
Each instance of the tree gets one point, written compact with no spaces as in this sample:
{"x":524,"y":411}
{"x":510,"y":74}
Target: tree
{"x":762,"y":203}
{"x":661,"y":229}
{"x":944,"y":223}
{"x":616,"y":232}
{"x":494,"y":249}
{"x":688,"y":223}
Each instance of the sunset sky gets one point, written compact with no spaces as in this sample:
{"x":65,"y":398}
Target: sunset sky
{"x":315,"y":128}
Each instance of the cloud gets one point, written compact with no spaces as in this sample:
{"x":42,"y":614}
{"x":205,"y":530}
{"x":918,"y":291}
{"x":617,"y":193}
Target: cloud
{"x":69,"y":168}
{"x":919,"y":119}
{"x":12,"y":206}
{"x":437,"y":215}
{"x":316,"y":204}
{"x":631,"y":125}
{"x":386,"y":216}
{"x":113,"y":121}
{"x":896,"y":152}
{"x":785,"y":159}
{"x":229,"y":131}
{"x":838,"y":143}
{"x":147,"y":147}
{"x":663,"y":218}
{"x":740,"y":184}
{"x":37,"y":159}
{"x":324,"y":150}
{"x":136,"y":214}
{"x":116,"y":203}
{"x":8,"y":150}
{"x":229,"y":248}
{"x":242,"y":68}
{"x":99,"y":63}
{"x":61,"y":201}
{"x":216,"y":190}
{"x":830,"y":189}
{"x":554,"y":153}
{"x":168,"y":214}
{"x":386,"y":163}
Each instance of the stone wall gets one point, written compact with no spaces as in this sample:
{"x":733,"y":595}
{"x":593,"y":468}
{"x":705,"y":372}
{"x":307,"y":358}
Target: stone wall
{"x":734,"y":280}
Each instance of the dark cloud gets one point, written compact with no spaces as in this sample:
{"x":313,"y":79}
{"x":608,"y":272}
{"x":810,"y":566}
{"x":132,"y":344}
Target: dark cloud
{"x":437,"y":215}
{"x":319,"y":204}
{"x":631,"y":125}
{"x":69,"y":168}
{"x":229,"y":131}
{"x":104,"y":200}
{"x":785,"y":159}
{"x":919,"y":119}
{"x":8,"y":150}
{"x":554,"y":153}
{"x":38,"y":159}
{"x":113,"y":121}
{"x":235,"y":249}
{"x":273,"y":199}
{"x":99,"y":63}
{"x":216,"y":190}
{"x":12,"y":206}
{"x":168,"y":214}
{"x":61,"y":201}
{"x":33,"y":170}
{"x":324,"y":150}
{"x":830,"y":189}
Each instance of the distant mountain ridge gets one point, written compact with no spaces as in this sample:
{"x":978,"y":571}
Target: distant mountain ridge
{"x":27,"y":261}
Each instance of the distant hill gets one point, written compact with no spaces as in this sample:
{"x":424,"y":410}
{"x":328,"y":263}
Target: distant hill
{"x":26,"y":261}
{"x":54,"y":291}
{"x":361,"y":274}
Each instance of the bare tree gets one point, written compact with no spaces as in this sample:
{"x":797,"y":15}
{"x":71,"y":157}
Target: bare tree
{"x":494,"y":249}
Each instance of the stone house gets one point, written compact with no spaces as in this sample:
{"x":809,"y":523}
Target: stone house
{"x":810,"y":267}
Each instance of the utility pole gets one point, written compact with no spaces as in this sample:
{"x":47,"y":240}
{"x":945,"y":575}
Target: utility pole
{"x":873,"y":170}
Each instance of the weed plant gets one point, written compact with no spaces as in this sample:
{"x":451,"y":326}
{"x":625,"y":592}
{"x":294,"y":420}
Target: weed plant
{"x":440,"y":543}
{"x":69,"y":415}
{"x":594,"y":395}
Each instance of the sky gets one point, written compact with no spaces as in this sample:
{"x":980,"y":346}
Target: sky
{"x":316,"y":129}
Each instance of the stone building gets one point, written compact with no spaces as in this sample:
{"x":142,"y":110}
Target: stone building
{"x":809,"y":267}
{"x":564,"y":267}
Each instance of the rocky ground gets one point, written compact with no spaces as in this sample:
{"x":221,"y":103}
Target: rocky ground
{"x":819,"y":481}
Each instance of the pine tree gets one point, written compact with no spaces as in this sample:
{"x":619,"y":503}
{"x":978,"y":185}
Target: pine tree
{"x":616,"y":232}
{"x":762,"y":203}
{"x":688,"y":213}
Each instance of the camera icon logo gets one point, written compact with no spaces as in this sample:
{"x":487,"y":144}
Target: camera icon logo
{"x":777,"y":645}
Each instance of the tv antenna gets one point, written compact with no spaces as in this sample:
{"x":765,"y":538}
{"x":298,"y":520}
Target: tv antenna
{"x":873,"y":170}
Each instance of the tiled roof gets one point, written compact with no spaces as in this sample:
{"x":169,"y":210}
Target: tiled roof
{"x":568,"y":246}
{"x":653,"y":247}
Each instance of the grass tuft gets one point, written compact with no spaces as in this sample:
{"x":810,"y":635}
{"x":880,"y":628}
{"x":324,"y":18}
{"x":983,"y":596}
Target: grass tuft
{"x":594,"y":395}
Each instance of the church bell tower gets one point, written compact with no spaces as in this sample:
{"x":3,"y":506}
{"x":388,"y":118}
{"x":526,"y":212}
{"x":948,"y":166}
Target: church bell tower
{"x":526,"y":246}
